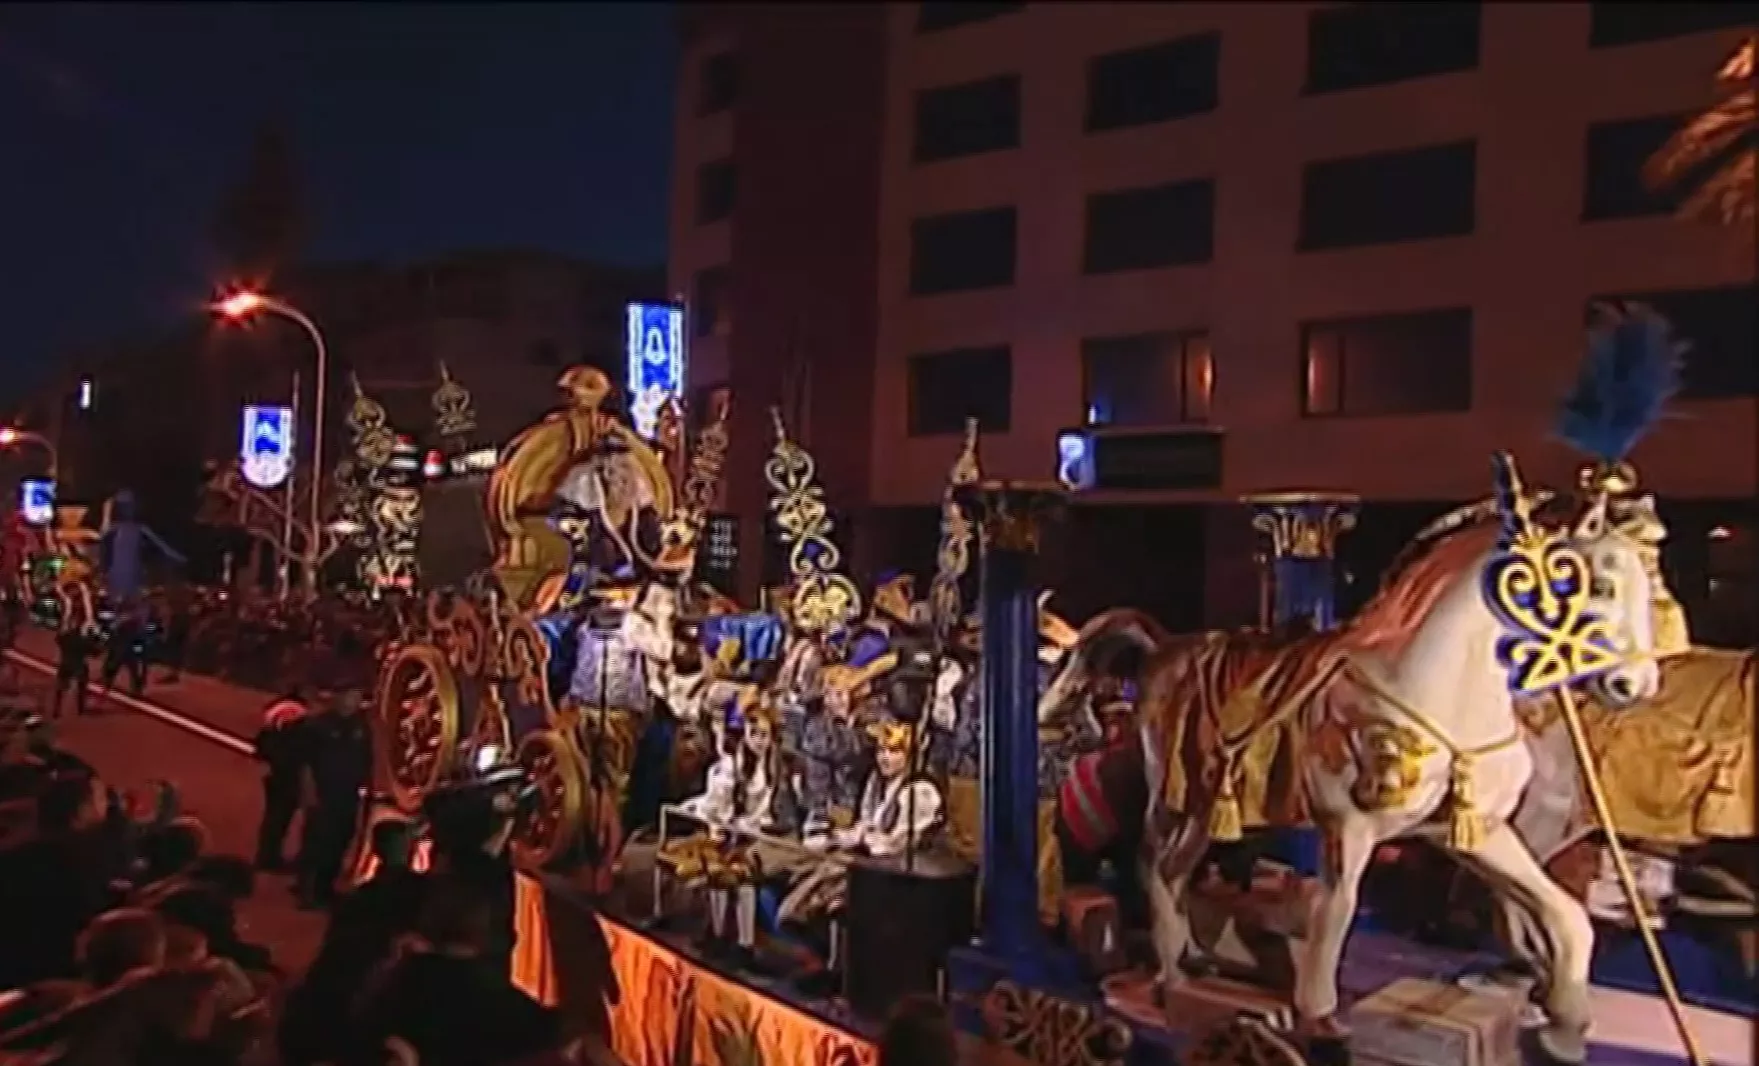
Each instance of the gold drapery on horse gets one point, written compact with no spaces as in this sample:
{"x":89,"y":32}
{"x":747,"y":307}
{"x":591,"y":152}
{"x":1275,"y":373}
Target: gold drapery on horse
{"x":1679,"y":768}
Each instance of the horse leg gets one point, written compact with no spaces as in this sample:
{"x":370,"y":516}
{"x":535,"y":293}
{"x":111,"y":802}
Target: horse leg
{"x":1166,"y":873}
{"x":1568,"y":932}
{"x":1350,"y":840}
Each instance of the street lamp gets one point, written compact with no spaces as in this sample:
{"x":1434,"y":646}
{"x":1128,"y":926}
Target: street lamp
{"x":240,"y":307}
{"x":10,"y":435}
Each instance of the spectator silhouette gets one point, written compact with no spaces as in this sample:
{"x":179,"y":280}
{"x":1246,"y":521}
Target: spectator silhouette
{"x":338,"y":769}
{"x":281,"y":746}
{"x":54,"y":883}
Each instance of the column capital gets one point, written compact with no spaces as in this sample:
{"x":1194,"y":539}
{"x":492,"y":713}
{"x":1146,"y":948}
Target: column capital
{"x":1303,"y":525}
{"x":1012,"y":513}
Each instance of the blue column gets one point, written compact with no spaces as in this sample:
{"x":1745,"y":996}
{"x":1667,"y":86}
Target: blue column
{"x":1010,"y":515}
{"x":1301,"y":531}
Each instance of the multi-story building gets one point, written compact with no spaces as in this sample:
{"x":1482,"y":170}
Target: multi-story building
{"x":1320,"y":246}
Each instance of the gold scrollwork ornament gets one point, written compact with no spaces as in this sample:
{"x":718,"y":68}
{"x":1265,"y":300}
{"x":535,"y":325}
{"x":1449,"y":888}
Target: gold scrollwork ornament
{"x":418,"y":720}
{"x":1050,"y":1031}
{"x":823,"y":598}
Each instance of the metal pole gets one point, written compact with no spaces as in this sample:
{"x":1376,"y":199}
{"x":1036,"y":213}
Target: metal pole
{"x":289,"y":504}
{"x":294,"y":314}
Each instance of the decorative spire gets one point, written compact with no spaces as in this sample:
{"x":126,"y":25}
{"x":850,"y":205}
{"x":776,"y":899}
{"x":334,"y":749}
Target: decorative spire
{"x":825,"y":600}
{"x":953,"y":560}
{"x":454,"y":408}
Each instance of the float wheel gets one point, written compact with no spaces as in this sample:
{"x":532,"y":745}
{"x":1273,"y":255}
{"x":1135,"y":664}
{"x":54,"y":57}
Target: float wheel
{"x":549,"y":826}
{"x":418,"y":721}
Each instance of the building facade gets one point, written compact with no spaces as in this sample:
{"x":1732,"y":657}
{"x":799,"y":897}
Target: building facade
{"x":1345,"y":247}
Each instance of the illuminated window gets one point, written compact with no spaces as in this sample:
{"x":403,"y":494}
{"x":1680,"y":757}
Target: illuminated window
{"x":1159,"y":83}
{"x":932,"y":17}
{"x":1148,"y":379}
{"x":1143,"y":229}
{"x":1418,"y":363}
{"x":962,"y":251}
{"x":968,"y":119}
{"x":1354,"y":46}
{"x":716,"y":190}
{"x":719,"y":90}
{"x":1413,"y":195}
{"x":948,"y":387}
{"x":1721,"y":330}
{"x":1612,"y":182}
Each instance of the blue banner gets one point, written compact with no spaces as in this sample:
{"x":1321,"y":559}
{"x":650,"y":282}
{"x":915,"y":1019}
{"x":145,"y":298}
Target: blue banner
{"x":655,"y":348}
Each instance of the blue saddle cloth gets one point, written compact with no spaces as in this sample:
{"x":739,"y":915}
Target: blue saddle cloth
{"x":760,"y":636}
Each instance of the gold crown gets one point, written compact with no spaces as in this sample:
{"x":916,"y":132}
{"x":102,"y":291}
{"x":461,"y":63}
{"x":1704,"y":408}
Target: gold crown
{"x":854,"y":681}
{"x":754,"y":706}
{"x":893,"y":735}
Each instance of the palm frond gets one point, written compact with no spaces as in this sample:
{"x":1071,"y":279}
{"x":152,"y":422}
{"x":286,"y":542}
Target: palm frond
{"x":1711,"y":160}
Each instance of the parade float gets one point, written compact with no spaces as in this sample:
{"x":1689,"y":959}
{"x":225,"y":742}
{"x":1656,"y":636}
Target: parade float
{"x":779,"y":820}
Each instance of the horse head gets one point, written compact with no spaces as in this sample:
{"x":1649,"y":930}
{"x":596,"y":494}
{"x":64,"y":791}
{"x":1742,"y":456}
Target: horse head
{"x":1622,"y":593}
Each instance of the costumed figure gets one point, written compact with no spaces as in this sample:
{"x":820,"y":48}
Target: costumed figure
{"x":125,"y":538}
{"x":831,"y":745}
{"x":73,"y":565}
{"x":900,"y":810}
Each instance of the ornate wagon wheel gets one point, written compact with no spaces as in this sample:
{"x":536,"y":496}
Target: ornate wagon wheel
{"x":548,"y":827}
{"x":418,"y":720}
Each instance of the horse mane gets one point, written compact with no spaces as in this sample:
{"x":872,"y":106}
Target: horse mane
{"x":1421,"y":573}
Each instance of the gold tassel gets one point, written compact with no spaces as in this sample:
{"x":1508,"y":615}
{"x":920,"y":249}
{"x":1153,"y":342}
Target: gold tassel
{"x":1465,"y":824}
{"x":1225,"y":823}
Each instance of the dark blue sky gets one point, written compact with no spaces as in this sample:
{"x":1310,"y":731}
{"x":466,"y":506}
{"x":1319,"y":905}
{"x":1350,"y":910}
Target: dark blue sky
{"x":416,"y":128}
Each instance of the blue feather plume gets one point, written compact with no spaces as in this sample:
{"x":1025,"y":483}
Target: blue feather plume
{"x":1631,"y":372}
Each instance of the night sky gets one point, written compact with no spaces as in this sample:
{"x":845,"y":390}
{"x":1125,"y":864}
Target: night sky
{"x":416,"y":129}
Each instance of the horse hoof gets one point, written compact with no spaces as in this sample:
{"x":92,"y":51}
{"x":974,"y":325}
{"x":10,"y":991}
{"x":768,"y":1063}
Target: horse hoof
{"x":1328,"y":1051}
{"x":1560,"y":1046}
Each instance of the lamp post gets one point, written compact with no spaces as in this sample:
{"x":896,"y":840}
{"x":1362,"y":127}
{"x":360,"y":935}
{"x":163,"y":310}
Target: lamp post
{"x":10,"y":436}
{"x":242,"y":306}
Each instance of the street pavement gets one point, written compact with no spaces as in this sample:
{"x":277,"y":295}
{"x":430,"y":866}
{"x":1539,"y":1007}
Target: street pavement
{"x":131,"y":748}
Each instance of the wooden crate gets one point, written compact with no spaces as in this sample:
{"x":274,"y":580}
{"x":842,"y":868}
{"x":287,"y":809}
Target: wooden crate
{"x":1414,"y":1022}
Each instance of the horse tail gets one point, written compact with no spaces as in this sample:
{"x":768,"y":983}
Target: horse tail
{"x":1103,"y":642}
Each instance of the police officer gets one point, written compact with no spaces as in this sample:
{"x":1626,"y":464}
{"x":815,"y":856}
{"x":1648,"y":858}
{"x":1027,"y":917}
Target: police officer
{"x":127,"y":649}
{"x":339,"y":766}
{"x":281,"y":747}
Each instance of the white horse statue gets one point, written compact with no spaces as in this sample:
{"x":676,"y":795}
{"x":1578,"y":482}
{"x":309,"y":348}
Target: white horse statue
{"x":1398,"y":725}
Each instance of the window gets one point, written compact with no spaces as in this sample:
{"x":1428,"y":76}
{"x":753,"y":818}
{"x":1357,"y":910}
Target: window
{"x":1613,"y":185}
{"x":944,"y":16}
{"x":716,"y":188}
{"x":1721,"y":329}
{"x":1624,"y":22}
{"x":1154,"y":84}
{"x":710,"y":313}
{"x":720,"y":84}
{"x":1358,"y":45}
{"x":1388,"y":365}
{"x":1383,"y":199}
{"x":1149,"y":379}
{"x":959,"y":120}
{"x":1141,"y":229}
{"x":962,"y":251}
{"x":946,"y":388}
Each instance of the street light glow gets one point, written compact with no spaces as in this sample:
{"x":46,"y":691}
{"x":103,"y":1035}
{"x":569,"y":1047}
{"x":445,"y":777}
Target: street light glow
{"x":240,"y":305}
{"x":8,"y":436}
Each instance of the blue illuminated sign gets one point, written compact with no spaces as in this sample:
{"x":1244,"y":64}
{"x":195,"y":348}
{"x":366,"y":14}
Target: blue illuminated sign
{"x":655,"y":348}
{"x":36,"y":500}
{"x":266,"y":452}
{"x":1075,"y":460}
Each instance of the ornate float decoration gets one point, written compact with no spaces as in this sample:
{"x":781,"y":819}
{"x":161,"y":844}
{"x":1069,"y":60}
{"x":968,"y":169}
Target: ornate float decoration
{"x":380,"y":496}
{"x":454,"y":411}
{"x":823,"y":599}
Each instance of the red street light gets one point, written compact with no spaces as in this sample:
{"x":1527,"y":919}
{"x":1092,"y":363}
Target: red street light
{"x":240,"y":305}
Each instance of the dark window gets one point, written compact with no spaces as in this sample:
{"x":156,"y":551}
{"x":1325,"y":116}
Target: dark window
{"x":716,"y":188}
{"x":1358,"y":45}
{"x":946,"y":388}
{"x":1383,"y":199}
{"x":1721,"y":330}
{"x":978,"y":116}
{"x":1150,"y":379}
{"x":720,"y":83}
{"x":1154,"y":84}
{"x":546,"y":353}
{"x":962,"y":251}
{"x":710,"y":313}
{"x":931,"y":17}
{"x":1388,"y":365}
{"x":1613,"y":185}
{"x":1628,"y":23}
{"x":1140,"y":229}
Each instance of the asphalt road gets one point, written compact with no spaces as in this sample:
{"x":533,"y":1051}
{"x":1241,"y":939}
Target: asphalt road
{"x":218,"y":783}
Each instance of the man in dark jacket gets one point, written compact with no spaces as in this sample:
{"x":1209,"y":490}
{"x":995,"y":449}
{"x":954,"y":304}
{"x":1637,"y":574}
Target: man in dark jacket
{"x":74,"y":670}
{"x":281,"y":746}
{"x":339,"y":767}
{"x":127,"y":650}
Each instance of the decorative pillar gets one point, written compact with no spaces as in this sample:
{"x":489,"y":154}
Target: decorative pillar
{"x":1010,"y":514}
{"x":1301,"y":531}
{"x":1299,"y":557}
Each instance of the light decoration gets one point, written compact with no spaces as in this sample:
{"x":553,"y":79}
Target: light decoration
{"x":265,"y":451}
{"x":88,"y":394}
{"x":36,"y":500}
{"x":1075,"y":460}
{"x":654,"y":346}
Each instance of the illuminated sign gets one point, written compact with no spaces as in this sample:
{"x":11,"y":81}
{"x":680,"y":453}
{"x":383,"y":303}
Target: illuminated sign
{"x":717,"y":560}
{"x":36,"y":500}
{"x":655,"y":347}
{"x":1075,"y":460}
{"x":266,"y":453}
{"x":477,"y":461}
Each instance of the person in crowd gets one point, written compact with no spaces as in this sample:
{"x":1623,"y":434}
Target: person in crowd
{"x":170,"y":850}
{"x":53,"y":884}
{"x":383,"y":906}
{"x":120,"y":942}
{"x":470,"y":826}
{"x":444,"y":999}
{"x":76,"y":644}
{"x":338,"y":768}
{"x":281,"y":747}
{"x":209,"y":912}
{"x":127,"y":649}
{"x":918,"y":1032}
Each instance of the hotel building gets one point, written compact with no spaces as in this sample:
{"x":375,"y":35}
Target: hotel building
{"x":1292,"y":246}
